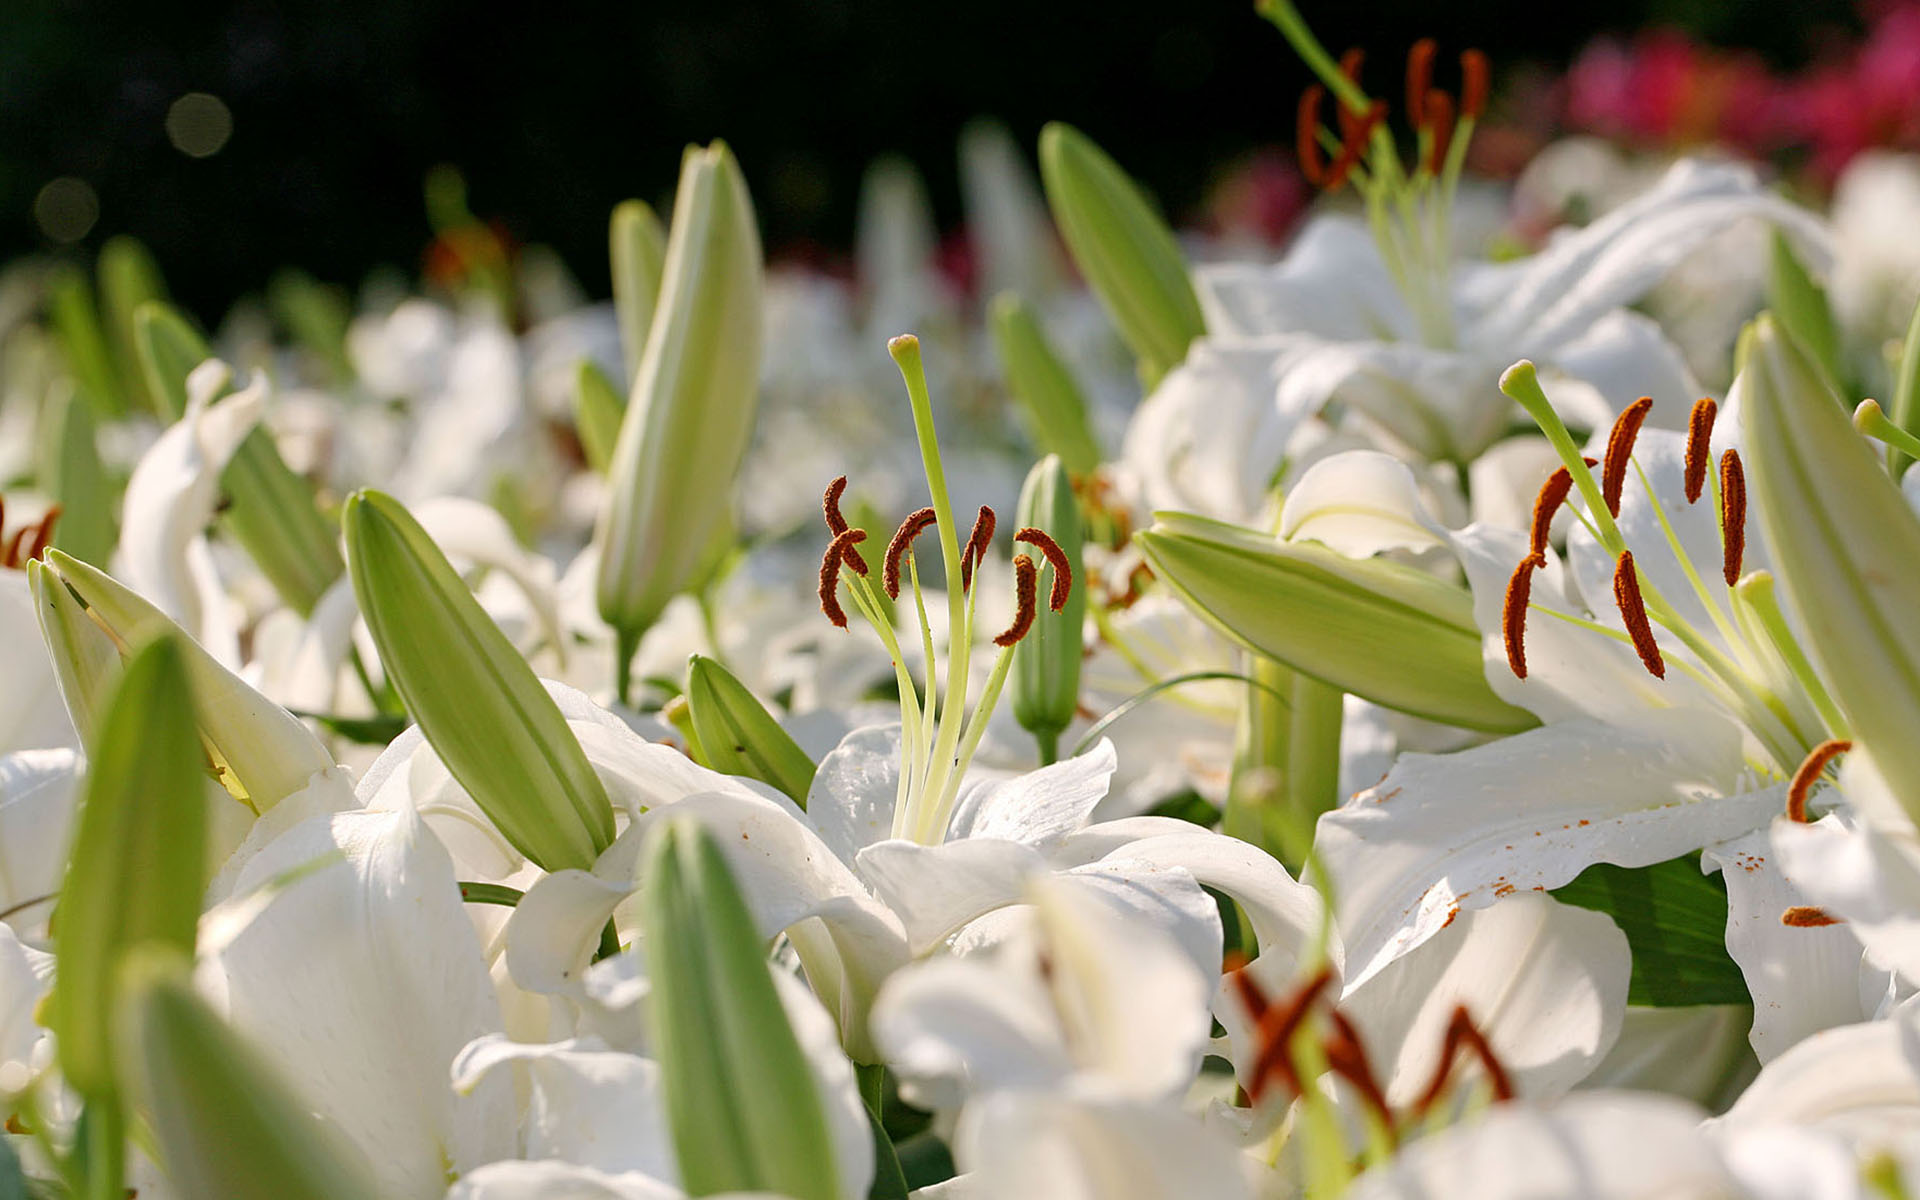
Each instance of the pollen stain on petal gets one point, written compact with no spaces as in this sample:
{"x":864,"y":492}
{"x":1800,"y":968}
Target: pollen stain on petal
{"x":1807,"y":916}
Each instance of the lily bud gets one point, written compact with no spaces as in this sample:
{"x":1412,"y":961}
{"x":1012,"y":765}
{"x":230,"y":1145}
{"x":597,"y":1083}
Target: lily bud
{"x":739,"y":737}
{"x":1049,"y":397}
{"x":693,"y":403}
{"x":71,"y":472}
{"x":264,"y":754}
{"x":597,"y":410}
{"x":1382,"y":631}
{"x":1046,"y":664}
{"x":1846,"y":547}
{"x":1123,"y":247}
{"x":138,"y":863}
{"x":741,"y":1101}
{"x":638,"y":248}
{"x":1800,"y":307}
{"x":85,"y":659}
{"x":226,"y":1124}
{"x":478,"y":703}
{"x":168,"y":349}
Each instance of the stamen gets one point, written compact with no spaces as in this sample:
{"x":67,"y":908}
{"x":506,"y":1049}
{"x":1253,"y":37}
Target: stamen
{"x":1419,"y":78}
{"x":1546,"y":505}
{"x":830,"y":574}
{"x":837,"y":524}
{"x":43,"y":535}
{"x":976,"y":548}
{"x":1057,"y":559}
{"x":1354,"y":146}
{"x":1461,"y":1032}
{"x":1699,"y":438}
{"x":1474,"y":80}
{"x":1633,"y":611}
{"x":1025,"y":583}
{"x":1439,"y":111}
{"x":1277,"y":1023}
{"x":1306,"y":136}
{"x":1350,"y":67}
{"x":1513,"y":615}
{"x":911,"y":528}
{"x":1613,"y":472}
{"x":1733,"y":515}
{"x":1811,"y":768}
{"x":1808,"y":916}
{"x":1347,"y":1056}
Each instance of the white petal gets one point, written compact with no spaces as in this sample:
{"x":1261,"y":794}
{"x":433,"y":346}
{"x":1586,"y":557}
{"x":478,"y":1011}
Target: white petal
{"x":1780,"y":1162}
{"x":1802,"y":979}
{"x":592,"y":1106}
{"x":512,"y":1180}
{"x":26,"y":975}
{"x":854,"y":790}
{"x":1033,"y":1144}
{"x":1359,"y":503}
{"x":1037,"y":808}
{"x":1332,"y":284}
{"x":37,"y":799}
{"x":1856,"y":1081}
{"x":32,"y":714}
{"x":554,"y":930}
{"x":1698,"y":1053}
{"x":937,"y":889}
{"x":1624,"y":356}
{"x":1446,"y":832}
{"x":951,"y":1027}
{"x":1868,"y":877}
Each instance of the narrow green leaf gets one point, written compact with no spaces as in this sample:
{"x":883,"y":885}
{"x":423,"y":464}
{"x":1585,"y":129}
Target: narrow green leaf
{"x":889,"y":1181}
{"x":1906,"y":393}
{"x":169,"y":348}
{"x":475,"y":698}
{"x":129,"y":278}
{"x":139,"y":859}
{"x":742,"y":1105}
{"x":71,"y":472}
{"x":316,"y":314}
{"x":82,"y":342}
{"x":1801,"y":306}
{"x":597,"y":410}
{"x":638,"y":246}
{"x":738,"y":736}
{"x":1675,"y":919}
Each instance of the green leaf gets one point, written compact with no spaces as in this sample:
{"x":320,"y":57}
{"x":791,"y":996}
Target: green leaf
{"x":129,"y":278}
{"x":139,"y":858}
{"x":889,"y":1181}
{"x":316,"y":314}
{"x":1675,"y":919}
{"x":1906,"y":392}
{"x":638,"y":249}
{"x":1123,"y":247}
{"x":1051,"y":403}
{"x":71,"y":472}
{"x":477,"y":701}
{"x":739,"y":737}
{"x":597,"y":410}
{"x":169,"y":348}
{"x":226,"y":1124}
{"x":742,"y":1105}
{"x":82,"y":342}
{"x":1801,"y":306}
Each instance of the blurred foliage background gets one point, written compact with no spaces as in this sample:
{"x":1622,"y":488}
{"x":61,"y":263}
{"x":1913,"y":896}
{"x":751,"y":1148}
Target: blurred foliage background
{"x":237,"y":137}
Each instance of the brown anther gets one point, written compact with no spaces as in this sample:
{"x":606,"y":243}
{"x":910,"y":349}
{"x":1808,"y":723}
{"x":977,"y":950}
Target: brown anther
{"x":1613,"y":469}
{"x":1354,"y":146}
{"x":43,"y":535}
{"x":1306,"y":140}
{"x":10,"y":552}
{"x":1633,"y":612}
{"x":1275,"y":1029}
{"x":911,"y":528}
{"x":1419,"y":78}
{"x":1733,"y":516}
{"x":1349,"y":119}
{"x":1462,"y":1033}
{"x":830,"y":574}
{"x":1347,"y":1058}
{"x":1808,"y":916}
{"x":1546,"y":506}
{"x":1439,"y":113}
{"x":1475,"y":80}
{"x":1811,"y":768}
{"x":1025,"y":584}
{"x":1057,"y":559}
{"x":837,"y":524}
{"x":975,"y":550}
{"x":1699,"y":445}
{"x":1513,"y":614}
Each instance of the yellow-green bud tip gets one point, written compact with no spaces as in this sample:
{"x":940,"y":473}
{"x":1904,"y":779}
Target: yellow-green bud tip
{"x":1868,"y":416}
{"x":1520,"y":374}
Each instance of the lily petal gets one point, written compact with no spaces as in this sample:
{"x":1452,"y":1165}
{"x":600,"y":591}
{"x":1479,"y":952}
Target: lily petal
{"x":591,"y":1106}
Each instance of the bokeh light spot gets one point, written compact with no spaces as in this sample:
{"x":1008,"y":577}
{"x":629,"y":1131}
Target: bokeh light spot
{"x":199,"y":124}
{"x":66,"y":209}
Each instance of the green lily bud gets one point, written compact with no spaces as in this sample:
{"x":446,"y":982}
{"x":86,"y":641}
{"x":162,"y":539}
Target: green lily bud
{"x":597,"y":409}
{"x":1846,"y":546}
{"x":1046,"y":663}
{"x":687,"y":424}
{"x":138,"y":863}
{"x":1123,"y":247}
{"x":741,"y":1100}
{"x":478,"y":703}
{"x":273,"y":514}
{"x":262,"y":752}
{"x":639,"y":251}
{"x":1050,"y":400}
{"x":1378,"y":629}
{"x":71,"y":472}
{"x":128,"y":278}
{"x":738,"y":736}
{"x":85,"y":659}
{"x":1286,"y":760}
{"x":82,"y":342}
{"x":226,"y":1124}
{"x":1800,"y":306}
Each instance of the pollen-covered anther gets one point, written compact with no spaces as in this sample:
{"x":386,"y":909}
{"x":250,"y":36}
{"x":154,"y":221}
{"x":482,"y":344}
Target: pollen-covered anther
{"x":1546,"y":506}
{"x":1461,"y":1034}
{"x":1354,"y":145}
{"x":1613,"y":468}
{"x":978,"y":542}
{"x":837,"y":524}
{"x":1439,"y":124}
{"x":1808,"y":774}
{"x":1808,"y":916}
{"x":1699,"y":445}
{"x":1350,"y":64}
{"x":1733,"y":516}
{"x":1513,"y":614}
{"x":1347,"y":1058}
{"x":42,"y":536}
{"x":1306,"y":139}
{"x":1274,"y":1029}
{"x":1057,"y":559}
{"x":830,"y":574}
{"x":1475,"y":83}
{"x":1419,"y":78}
{"x":911,"y":528}
{"x":1633,"y":613}
{"x":1026,"y":579}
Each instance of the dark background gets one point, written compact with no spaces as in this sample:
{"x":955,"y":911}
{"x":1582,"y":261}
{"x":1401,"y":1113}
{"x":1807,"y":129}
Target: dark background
{"x":556,"y":112}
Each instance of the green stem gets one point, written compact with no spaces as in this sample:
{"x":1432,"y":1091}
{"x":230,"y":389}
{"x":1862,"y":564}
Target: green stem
{"x":625,"y":644}
{"x":105,"y":1141}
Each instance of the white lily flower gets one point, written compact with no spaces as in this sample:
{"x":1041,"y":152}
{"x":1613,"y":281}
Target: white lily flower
{"x":1036,"y":1143}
